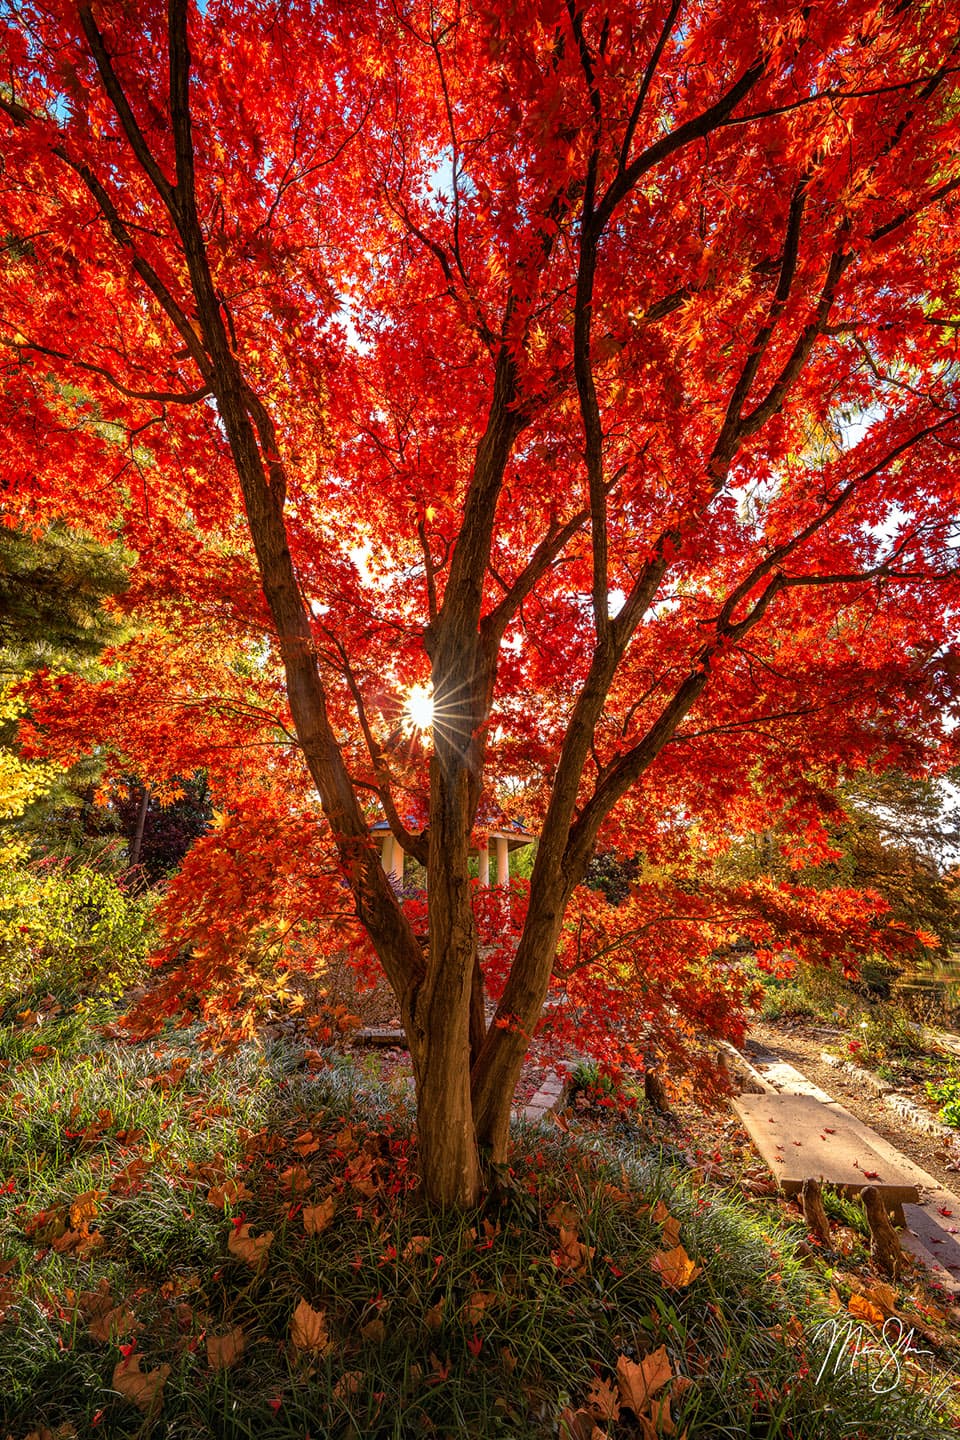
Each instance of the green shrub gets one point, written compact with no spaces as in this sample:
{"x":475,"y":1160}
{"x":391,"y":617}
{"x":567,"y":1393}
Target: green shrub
{"x":67,"y":923}
{"x":947,"y":1096}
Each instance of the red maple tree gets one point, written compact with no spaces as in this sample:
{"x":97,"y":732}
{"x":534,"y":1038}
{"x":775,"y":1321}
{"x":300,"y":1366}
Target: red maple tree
{"x":593,"y":363}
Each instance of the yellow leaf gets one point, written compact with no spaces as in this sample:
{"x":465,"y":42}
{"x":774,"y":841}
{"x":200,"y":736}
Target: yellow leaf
{"x":252,"y":1250}
{"x":316,"y":1218}
{"x":308,"y":1329}
{"x":143,"y":1390}
{"x":675,"y":1267}
{"x":640,"y":1381}
{"x":225,"y":1350}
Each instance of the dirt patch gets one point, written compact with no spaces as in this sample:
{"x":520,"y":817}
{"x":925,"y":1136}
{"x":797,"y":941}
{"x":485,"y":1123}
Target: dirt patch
{"x":801,"y":1048}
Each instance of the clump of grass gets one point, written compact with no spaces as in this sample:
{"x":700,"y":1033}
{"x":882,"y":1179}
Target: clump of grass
{"x":471,"y":1325}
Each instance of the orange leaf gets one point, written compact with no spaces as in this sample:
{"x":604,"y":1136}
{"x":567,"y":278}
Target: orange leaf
{"x":308,"y":1329}
{"x":639,"y":1382}
{"x":252,"y":1250}
{"x":316,"y":1218}
{"x":675,"y":1267}
{"x":603,"y":1400}
{"x":143,"y":1390}
{"x":864,"y":1309}
{"x":225,"y":1350}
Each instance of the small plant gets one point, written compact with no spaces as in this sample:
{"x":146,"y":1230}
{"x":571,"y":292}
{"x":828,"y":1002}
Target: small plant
{"x":947,"y":1096}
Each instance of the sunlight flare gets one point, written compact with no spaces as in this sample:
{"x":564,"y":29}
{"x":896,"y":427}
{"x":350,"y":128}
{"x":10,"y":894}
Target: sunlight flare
{"x":418,"y":707}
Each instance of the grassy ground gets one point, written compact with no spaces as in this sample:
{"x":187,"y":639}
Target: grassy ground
{"x":236,"y":1246}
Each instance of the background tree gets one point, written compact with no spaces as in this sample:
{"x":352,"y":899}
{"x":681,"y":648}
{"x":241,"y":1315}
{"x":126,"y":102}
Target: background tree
{"x":445,"y":343}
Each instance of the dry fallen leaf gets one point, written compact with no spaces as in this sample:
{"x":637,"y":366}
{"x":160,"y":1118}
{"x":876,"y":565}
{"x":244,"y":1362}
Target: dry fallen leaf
{"x":143,"y":1390}
{"x":433,"y":1318}
{"x":675,"y":1267}
{"x":579,"y":1425}
{"x":316,"y":1218}
{"x":251,"y":1249}
{"x":231,"y":1192}
{"x":477,"y":1303}
{"x":572,"y":1255}
{"x":670,"y":1235}
{"x":374,"y":1331}
{"x":883,"y":1296}
{"x":295,"y":1181}
{"x":563,"y":1217}
{"x":225,"y":1350}
{"x":350,"y":1383}
{"x":640,"y":1381}
{"x":306,"y":1144}
{"x":603,"y":1400}
{"x":416,"y":1245}
{"x":308,"y":1329}
{"x":864,"y":1309}
{"x":113,"y":1324}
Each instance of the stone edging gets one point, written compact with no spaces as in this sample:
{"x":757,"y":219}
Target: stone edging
{"x":903,"y":1105}
{"x":546,"y":1101}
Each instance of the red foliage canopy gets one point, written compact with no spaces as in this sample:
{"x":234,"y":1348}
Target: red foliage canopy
{"x":595,"y":363}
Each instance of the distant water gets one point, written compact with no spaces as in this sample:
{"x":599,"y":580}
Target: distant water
{"x":931,"y":989}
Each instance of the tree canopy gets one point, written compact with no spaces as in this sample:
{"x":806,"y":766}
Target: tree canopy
{"x":594,"y":365}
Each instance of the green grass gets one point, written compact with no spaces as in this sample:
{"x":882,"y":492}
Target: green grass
{"x":440,"y":1362}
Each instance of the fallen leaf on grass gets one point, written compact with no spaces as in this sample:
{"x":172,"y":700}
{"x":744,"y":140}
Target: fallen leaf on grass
{"x":225,"y":1350}
{"x":231,"y":1192}
{"x":113,"y":1324}
{"x":433,"y":1318}
{"x":860,"y":1306}
{"x":306,"y":1144}
{"x":316,"y":1218}
{"x":374,"y":1331}
{"x":143,"y":1390}
{"x":640,"y":1380}
{"x":603,"y":1400}
{"x":251,"y":1249}
{"x":350,"y":1383}
{"x":477,"y":1303}
{"x":671,"y":1233}
{"x":295,"y":1181}
{"x":308,"y":1329}
{"x":675,"y":1267}
{"x":579,"y":1425}
{"x":573,"y":1255}
{"x":563,"y":1217}
{"x":417,"y":1245}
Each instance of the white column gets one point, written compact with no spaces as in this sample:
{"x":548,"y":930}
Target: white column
{"x":483,"y":863}
{"x":386,"y":852}
{"x":503,"y":861}
{"x":397,"y":870}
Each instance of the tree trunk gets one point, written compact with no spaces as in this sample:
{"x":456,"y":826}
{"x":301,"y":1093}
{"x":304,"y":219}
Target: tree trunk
{"x":441,"y":1018}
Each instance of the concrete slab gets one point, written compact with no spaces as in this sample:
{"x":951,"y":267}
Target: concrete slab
{"x":799,"y":1136}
